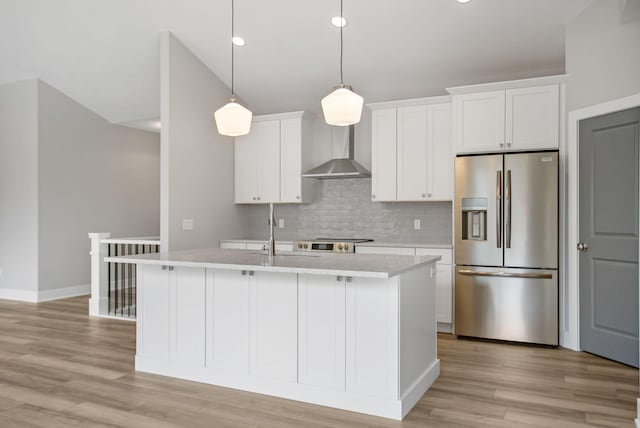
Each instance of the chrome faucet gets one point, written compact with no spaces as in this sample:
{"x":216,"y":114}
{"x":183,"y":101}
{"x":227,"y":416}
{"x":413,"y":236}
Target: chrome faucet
{"x":272,"y":241}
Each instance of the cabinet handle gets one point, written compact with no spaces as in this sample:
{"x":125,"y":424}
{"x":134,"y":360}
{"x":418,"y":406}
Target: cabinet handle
{"x":501,"y":144}
{"x":429,"y":195}
{"x":164,"y":267}
{"x":373,"y":196}
{"x":258,"y":198}
{"x":244,"y":272}
{"x":170,"y":268}
{"x":349,"y":279}
{"x":254,"y":198}
{"x":424,"y":195}
{"x":297,"y":197}
{"x":339,"y":278}
{"x":251,"y":273}
{"x":508,"y":144}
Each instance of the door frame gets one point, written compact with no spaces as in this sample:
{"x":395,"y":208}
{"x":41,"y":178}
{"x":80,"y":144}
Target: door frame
{"x":570,"y":292}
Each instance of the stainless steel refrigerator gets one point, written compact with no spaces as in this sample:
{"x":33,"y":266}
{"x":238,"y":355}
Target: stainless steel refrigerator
{"x":506,"y":229}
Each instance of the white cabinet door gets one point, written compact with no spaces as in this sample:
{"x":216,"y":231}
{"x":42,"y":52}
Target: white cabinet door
{"x":152,"y":338}
{"x":186,"y":315}
{"x":479,"y":121}
{"x":532,"y":116}
{"x":383,"y":155}
{"x":440,"y":152}
{"x":372,"y":337}
{"x":247,"y":168}
{"x":444,"y":293}
{"x":321,"y":331}
{"x":274,"y":325}
{"x":412,"y":153}
{"x":291,"y":160}
{"x":269,"y":141}
{"x":399,"y":251}
{"x":227,"y":332}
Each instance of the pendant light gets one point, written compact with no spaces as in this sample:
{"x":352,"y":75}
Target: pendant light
{"x":232,"y":119}
{"x":342,"y":107}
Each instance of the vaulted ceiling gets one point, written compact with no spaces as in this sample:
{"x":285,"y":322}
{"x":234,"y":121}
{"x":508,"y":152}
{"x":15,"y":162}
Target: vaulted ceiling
{"x":105,"y":54}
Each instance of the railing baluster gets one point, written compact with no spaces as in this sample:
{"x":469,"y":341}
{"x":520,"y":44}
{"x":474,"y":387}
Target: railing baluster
{"x":109,"y":280}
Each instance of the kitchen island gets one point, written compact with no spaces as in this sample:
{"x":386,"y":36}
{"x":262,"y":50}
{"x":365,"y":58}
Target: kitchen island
{"x":351,"y":331}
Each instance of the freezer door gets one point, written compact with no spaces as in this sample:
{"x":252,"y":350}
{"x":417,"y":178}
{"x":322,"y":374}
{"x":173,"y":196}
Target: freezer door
{"x":478,"y":212}
{"x":531,"y":210}
{"x":507,"y":304}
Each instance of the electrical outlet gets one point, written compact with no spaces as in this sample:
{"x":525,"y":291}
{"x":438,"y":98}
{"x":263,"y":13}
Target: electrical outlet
{"x":187,"y":224}
{"x":281,"y":223}
{"x":417,"y":224}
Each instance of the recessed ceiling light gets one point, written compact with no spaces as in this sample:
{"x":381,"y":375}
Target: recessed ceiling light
{"x":238,"y":41}
{"x":338,"y":21}
{"x":463,"y":1}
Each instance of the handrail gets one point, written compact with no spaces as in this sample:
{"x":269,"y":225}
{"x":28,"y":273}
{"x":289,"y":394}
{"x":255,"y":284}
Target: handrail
{"x":142,"y":240}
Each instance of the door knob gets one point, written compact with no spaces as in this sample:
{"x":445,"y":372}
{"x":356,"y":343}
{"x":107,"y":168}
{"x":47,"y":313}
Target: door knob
{"x":582,"y":246}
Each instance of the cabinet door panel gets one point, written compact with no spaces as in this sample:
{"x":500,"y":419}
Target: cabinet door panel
{"x":440,"y":152}
{"x":227,"y":320}
{"x":152,"y":330}
{"x":532,"y":116}
{"x":412,"y":153}
{"x":274,"y":325}
{"x":383,"y":155}
{"x":187,"y":316}
{"x":479,"y":121}
{"x":291,"y":160}
{"x":372,"y":337}
{"x":247,"y":167}
{"x":321,"y":308}
{"x":270,"y":160}
{"x":444,"y":293}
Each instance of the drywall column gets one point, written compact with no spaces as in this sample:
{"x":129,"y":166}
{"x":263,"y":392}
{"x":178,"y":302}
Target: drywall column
{"x":19,"y":191}
{"x":196,"y":162}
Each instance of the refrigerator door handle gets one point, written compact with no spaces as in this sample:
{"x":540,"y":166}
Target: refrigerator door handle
{"x":507,"y":210}
{"x":499,"y":209}
{"x":505,"y":274}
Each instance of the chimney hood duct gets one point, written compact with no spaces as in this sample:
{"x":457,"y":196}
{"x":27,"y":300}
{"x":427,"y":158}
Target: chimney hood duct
{"x":340,"y":168}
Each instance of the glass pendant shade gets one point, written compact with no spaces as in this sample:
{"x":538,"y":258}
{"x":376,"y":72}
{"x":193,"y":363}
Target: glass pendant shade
{"x":342,"y":107}
{"x":233,"y":120}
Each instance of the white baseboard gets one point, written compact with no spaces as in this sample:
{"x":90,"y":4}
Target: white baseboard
{"x":44,"y":295}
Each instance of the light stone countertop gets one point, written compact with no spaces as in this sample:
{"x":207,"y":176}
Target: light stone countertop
{"x":362,"y":244}
{"x":356,"y":265}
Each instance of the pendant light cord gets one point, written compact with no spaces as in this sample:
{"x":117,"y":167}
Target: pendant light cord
{"x":341,"y":44}
{"x":232,"y":48}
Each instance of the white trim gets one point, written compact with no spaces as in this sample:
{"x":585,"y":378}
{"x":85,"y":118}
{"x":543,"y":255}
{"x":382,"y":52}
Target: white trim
{"x":115,"y":317}
{"x":570,"y":335}
{"x":45,"y":295}
{"x":410,"y":102}
{"x":510,"y":84}
{"x":152,"y":240}
{"x":18,"y":295}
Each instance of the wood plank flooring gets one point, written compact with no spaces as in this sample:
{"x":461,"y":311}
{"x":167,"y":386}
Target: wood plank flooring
{"x":60,"y":368}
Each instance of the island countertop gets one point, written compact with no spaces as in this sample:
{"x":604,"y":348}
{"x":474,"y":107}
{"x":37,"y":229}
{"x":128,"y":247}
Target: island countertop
{"x":355,"y":265}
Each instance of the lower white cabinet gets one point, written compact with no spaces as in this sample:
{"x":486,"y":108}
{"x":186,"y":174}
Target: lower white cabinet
{"x":321,"y":331}
{"x":273,"y":331}
{"x":179,"y":293}
{"x":372,"y":337}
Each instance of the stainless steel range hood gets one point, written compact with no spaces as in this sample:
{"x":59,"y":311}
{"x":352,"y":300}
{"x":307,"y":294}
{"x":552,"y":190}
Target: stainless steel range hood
{"x":341,"y":167}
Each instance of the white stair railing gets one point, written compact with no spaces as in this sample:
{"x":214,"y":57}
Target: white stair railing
{"x":113,"y":285}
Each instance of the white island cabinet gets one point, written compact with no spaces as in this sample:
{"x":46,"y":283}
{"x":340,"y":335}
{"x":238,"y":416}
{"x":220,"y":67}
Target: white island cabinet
{"x":351,"y":331}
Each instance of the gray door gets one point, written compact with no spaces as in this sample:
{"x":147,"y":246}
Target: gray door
{"x":478,"y":211}
{"x":531,"y":210}
{"x":608,"y":213}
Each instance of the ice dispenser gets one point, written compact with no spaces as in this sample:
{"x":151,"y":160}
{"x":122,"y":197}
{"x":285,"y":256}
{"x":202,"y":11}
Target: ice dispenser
{"x":474,"y":219}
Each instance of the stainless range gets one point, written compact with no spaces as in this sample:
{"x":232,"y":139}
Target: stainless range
{"x":329,"y":245}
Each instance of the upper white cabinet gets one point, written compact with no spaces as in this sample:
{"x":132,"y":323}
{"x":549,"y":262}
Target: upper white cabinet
{"x":411,"y":152}
{"x":508,"y":116}
{"x":270,"y":159}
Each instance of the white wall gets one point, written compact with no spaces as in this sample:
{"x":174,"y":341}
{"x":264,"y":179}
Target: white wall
{"x":18,"y":190}
{"x":197,"y":162}
{"x":93,"y":177}
{"x":602,"y":55}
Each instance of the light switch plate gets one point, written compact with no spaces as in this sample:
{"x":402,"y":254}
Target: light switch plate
{"x":187,"y":224}
{"x":281,"y":223}
{"x":417,"y":224}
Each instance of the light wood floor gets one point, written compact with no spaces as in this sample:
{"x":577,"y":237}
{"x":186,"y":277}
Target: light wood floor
{"x":60,"y":368}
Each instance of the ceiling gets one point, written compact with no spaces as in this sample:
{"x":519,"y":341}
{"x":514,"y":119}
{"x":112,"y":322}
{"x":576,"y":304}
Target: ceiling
{"x":105,"y":54}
